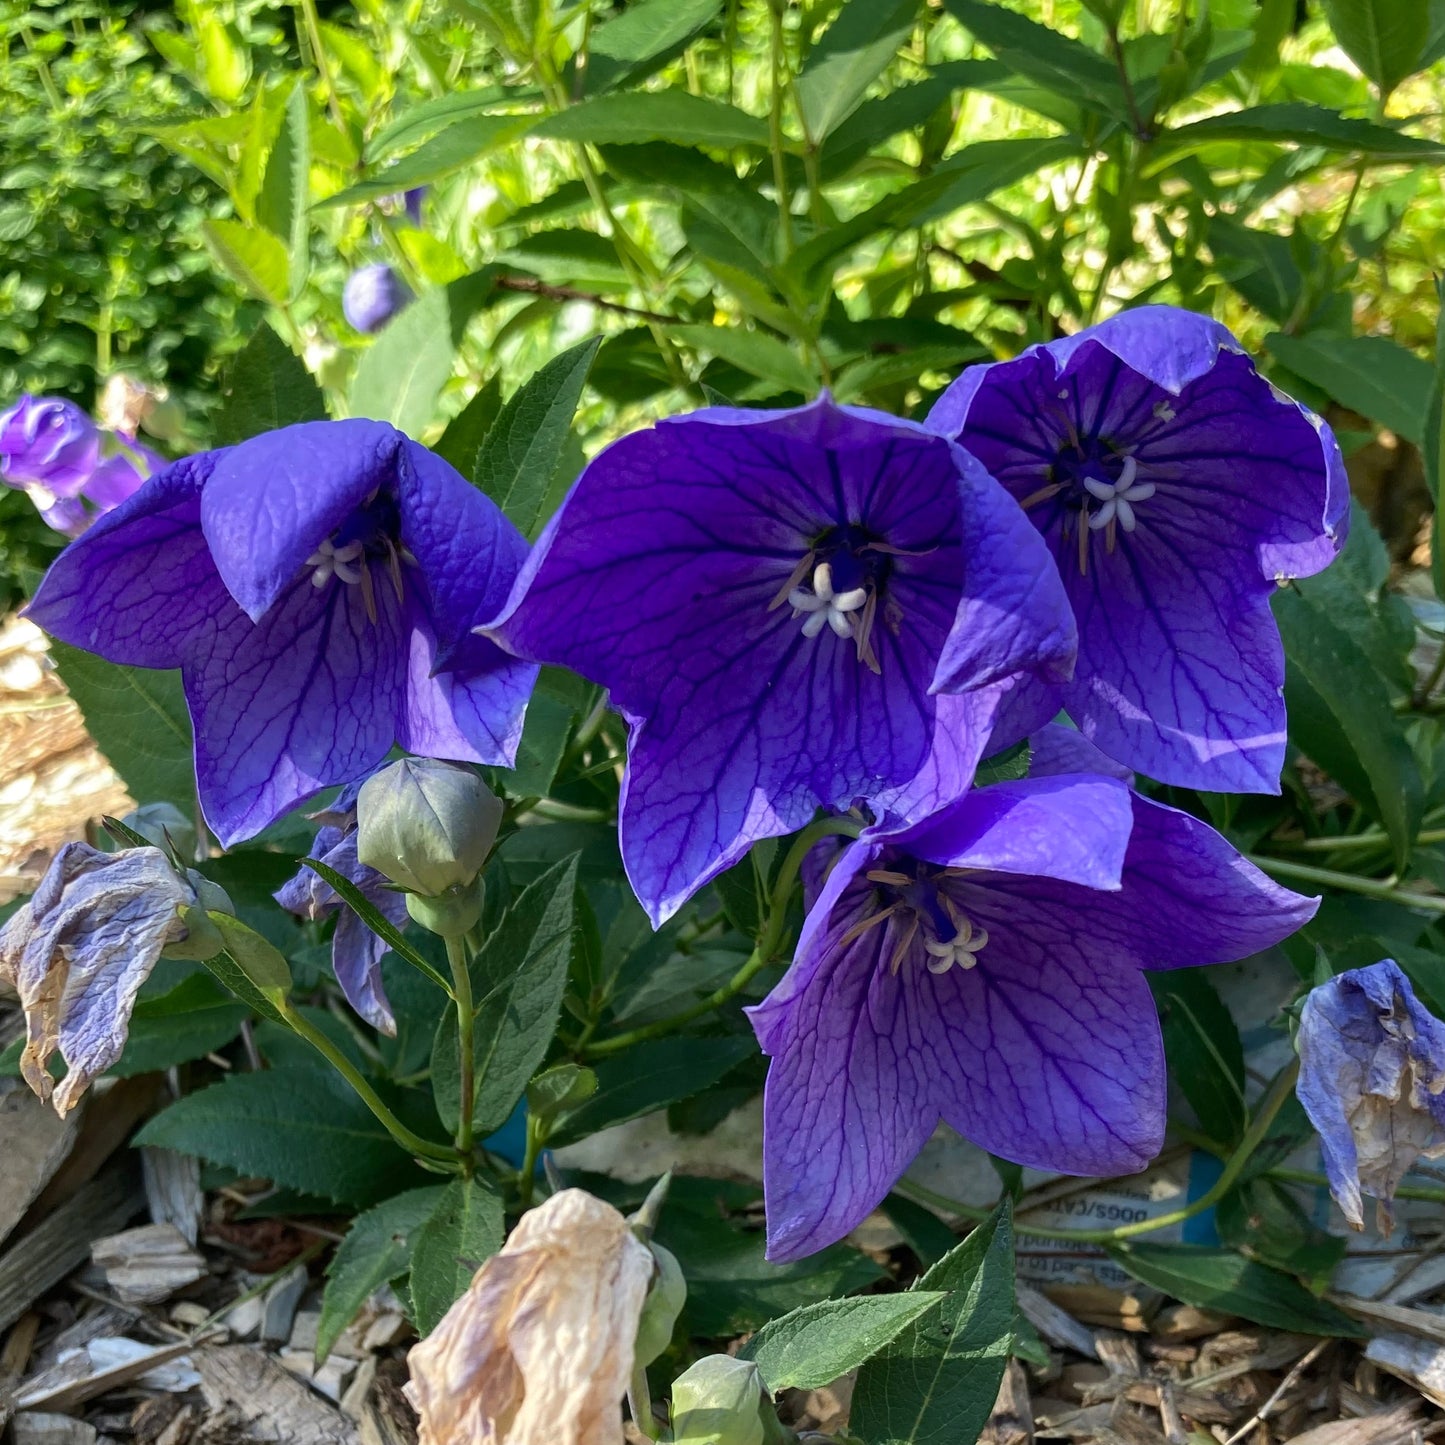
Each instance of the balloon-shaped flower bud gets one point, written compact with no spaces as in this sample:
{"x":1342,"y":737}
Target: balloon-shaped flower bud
{"x":372,"y":296}
{"x":428,"y":827}
{"x":721,"y":1401}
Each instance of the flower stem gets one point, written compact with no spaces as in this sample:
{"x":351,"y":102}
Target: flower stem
{"x":1404,"y":1191}
{"x":1352,"y":883}
{"x":412,"y":1143}
{"x":1371,"y":838}
{"x":527,"y":1176}
{"x":1264,"y":1116}
{"x":778,"y":60}
{"x":466,"y":1019}
{"x":763,"y":954}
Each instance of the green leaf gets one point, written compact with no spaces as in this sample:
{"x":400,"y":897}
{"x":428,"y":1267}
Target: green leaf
{"x":552,"y":709}
{"x":519,"y":976}
{"x":647,"y":34}
{"x":430,"y":116}
{"x":303,"y":1128}
{"x":1202,"y":1045}
{"x":259,"y":959}
{"x":233,"y":977}
{"x":518,"y":1015}
{"x":192,"y":1020}
{"x":253,"y":257}
{"x":1045,"y":57}
{"x":1372,"y":375}
{"x":284,"y":201}
{"x":648,"y":115}
{"x":816,"y":1344}
{"x":936,"y":1383}
{"x":1385,"y":38}
{"x":1299,"y":123}
{"x":649,"y":1076}
{"x":401,"y":374}
{"x":850,"y":56}
{"x":522,"y":451}
{"x":1341,"y":715}
{"x":1220,"y":1279}
{"x":265,"y":386}
{"x":138,"y":718}
{"x":464,"y":1230}
{"x":1264,"y":1222}
{"x":461,"y":443}
{"x":1260,"y":265}
{"x":460,"y":144}
{"x":376,"y":1250}
{"x":754,"y":351}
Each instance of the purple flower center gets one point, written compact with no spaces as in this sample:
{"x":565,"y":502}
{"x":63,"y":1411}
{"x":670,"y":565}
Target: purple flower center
{"x":918,"y":897}
{"x":1092,"y":488}
{"x":371,"y":536}
{"x":840,"y":583}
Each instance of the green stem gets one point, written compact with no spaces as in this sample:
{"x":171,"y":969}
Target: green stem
{"x":766,"y":950}
{"x":1372,"y":838}
{"x":528,"y":1175}
{"x":412,"y":1143}
{"x":1404,"y":1191}
{"x":323,"y":63}
{"x":466,"y":1019}
{"x":779,"y":64}
{"x":1352,"y":883}
{"x":47,"y":81}
{"x":1264,"y":1117}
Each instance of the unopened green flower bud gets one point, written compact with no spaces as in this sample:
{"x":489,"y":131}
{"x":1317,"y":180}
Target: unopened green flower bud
{"x":449,"y":914}
{"x":665,"y":1298}
{"x":721,"y":1401}
{"x":426,"y":825}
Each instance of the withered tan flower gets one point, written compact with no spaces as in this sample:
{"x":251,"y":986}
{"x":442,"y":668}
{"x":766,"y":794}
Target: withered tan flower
{"x":539,"y":1351}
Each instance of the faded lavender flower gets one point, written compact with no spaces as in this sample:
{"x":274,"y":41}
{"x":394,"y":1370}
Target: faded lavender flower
{"x":77,"y":952}
{"x":317,"y":586}
{"x":783,"y":604}
{"x":986,"y":967}
{"x":540,"y":1349}
{"x":356,"y":952}
{"x":1372,"y":1080}
{"x":372,"y":296}
{"x":1176,"y":488}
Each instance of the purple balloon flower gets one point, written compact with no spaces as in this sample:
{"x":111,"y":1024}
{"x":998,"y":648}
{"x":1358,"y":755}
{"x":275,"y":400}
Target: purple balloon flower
{"x":372,"y":296}
{"x":772,"y":599}
{"x":1176,"y":487}
{"x":77,"y":952}
{"x":317,"y":587}
{"x":1372,"y":1080}
{"x":356,"y":952}
{"x":986,"y":967}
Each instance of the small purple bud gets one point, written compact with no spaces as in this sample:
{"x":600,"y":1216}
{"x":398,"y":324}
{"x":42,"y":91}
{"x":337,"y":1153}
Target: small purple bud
{"x":49,"y":442}
{"x":373,"y":295}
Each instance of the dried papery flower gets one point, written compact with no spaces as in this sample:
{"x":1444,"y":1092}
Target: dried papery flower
{"x":540,"y":1349}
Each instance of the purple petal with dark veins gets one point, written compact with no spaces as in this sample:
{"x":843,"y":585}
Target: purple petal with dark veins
{"x":472,"y":711}
{"x":467,"y":550}
{"x":139,"y":585}
{"x":274,"y":499}
{"x":1073,"y":828}
{"x":1191,"y":898}
{"x":305,"y":699}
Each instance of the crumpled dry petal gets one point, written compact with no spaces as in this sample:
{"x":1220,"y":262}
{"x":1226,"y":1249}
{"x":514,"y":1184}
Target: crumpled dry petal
{"x":1372,"y":1080}
{"x":78,"y":951}
{"x":539,"y":1350}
